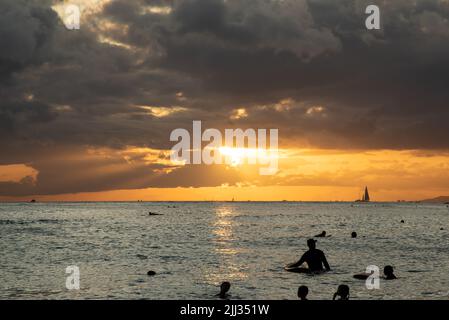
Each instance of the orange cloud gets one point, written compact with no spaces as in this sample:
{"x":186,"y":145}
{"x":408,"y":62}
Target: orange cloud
{"x":17,"y":172}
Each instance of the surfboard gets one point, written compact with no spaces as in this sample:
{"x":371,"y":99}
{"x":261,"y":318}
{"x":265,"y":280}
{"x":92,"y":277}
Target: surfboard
{"x":361,"y":276}
{"x":297,"y":269}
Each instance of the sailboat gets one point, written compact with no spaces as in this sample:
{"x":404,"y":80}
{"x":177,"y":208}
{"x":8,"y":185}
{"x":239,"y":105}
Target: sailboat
{"x":365,"y":197}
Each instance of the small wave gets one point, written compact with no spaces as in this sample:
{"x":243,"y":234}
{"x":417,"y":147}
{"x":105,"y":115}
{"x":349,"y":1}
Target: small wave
{"x":20,"y":293}
{"x":26,"y":222}
{"x":12,"y":222}
{"x":47,"y":221}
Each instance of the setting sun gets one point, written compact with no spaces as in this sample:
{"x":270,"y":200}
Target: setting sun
{"x":238,"y":156}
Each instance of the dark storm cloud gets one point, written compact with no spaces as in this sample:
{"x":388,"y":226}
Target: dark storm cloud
{"x":380,"y":88}
{"x":26,"y":30}
{"x":344,"y":86}
{"x":16,"y":115}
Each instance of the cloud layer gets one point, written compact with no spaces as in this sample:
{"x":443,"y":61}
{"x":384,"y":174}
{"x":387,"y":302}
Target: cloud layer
{"x":307,"y":67}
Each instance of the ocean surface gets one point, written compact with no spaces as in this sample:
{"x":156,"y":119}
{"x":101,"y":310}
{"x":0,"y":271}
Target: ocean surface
{"x":193,"y":247}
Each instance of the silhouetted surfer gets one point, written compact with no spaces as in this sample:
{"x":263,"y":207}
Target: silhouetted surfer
{"x":388,"y":274}
{"x":314,"y":258}
{"x":321,"y":235}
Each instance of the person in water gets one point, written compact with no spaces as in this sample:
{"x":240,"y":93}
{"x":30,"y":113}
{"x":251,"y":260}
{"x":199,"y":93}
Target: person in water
{"x":354,"y":234}
{"x":303,"y":291}
{"x":342,"y":292}
{"x":388,"y":273}
{"x":315,"y":259}
{"x":224,"y":288}
{"x":321,"y":235}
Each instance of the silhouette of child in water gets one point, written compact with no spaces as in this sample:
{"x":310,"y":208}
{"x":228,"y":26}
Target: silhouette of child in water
{"x":342,"y":292}
{"x":303,"y":291}
{"x":388,"y":272}
{"x":224,"y":288}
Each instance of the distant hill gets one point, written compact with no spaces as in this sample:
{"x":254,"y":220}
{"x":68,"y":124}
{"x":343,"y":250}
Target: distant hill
{"x":442,"y":199}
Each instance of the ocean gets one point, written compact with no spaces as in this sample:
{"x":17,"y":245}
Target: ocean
{"x":194,"y":246}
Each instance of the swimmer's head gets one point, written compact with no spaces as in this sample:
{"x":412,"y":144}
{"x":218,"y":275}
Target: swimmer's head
{"x":303,"y":291}
{"x":311,"y":243}
{"x":343,"y":292}
{"x":323,"y":233}
{"x":388,"y":270}
{"x":224,"y":287}
{"x":354,"y":234}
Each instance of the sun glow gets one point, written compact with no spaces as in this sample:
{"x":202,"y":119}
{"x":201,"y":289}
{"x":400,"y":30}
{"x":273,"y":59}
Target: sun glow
{"x":239,"y":156}
{"x":234,"y":155}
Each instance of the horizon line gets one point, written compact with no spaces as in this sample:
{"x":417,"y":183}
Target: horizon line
{"x":196,"y":201}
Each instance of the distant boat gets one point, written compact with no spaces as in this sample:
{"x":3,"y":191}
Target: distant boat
{"x":365,"y":197}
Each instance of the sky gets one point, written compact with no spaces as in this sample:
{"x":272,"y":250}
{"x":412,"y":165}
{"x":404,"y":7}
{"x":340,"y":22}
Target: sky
{"x":86,"y":115}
